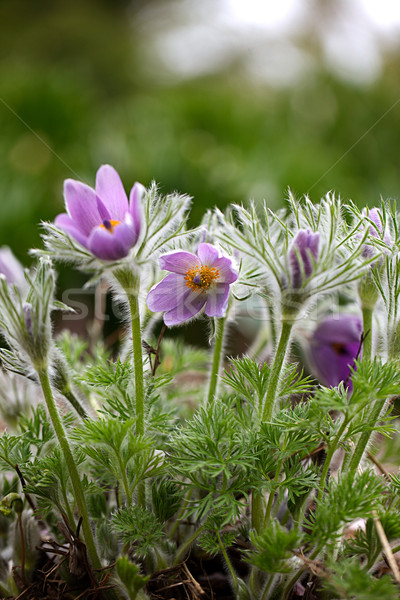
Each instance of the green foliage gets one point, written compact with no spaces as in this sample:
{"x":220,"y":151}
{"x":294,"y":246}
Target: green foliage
{"x":213,"y":454}
{"x":346,"y":499}
{"x":367,"y":543}
{"x":138,"y":528}
{"x":273,"y":548}
{"x":129,"y":574}
{"x":349,"y":580}
{"x":167,"y":496}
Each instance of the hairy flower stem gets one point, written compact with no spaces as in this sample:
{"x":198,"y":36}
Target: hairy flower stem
{"x":73,"y":400}
{"x":73,"y":471}
{"x":228,"y":563}
{"x":218,"y":344}
{"x":367,"y":329}
{"x":131,"y":285}
{"x":272,"y":493}
{"x":186,"y":546}
{"x":21,"y":533}
{"x":257,"y":513}
{"x":331,"y":451}
{"x":276,"y":370}
{"x":365,"y":437}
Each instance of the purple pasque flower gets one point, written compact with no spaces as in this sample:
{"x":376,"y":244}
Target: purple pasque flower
{"x":102,"y":220}
{"x":196,"y":281}
{"x":334,"y":346}
{"x":11,"y":268}
{"x":302,"y":255}
{"x":375,"y":230}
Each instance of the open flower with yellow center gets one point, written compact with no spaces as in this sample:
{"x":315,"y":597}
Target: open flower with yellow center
{"x":102,"y":220}
{"x":196,"y":281}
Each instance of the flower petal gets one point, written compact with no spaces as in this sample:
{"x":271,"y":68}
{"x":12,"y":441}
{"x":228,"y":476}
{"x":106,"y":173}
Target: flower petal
{"x":109,"y":245}
{"x":135,"y":206}
{"x":190,"y":305}
{"x":65,"y":223}
{"x":179,"y":261}
{"x":167,"y":294}
{"x":217,"y":300}
{"x":207,"y":254}
{"x":341,"y":329}
{"x":111,"y":191}
{"x":81,"y":203}
{"x":332,"y":362}
{"x":11,"y":268}
{"x":227,"y":273}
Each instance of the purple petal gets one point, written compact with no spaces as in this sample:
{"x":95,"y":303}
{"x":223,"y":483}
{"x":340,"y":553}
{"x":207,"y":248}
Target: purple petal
{"x":217,"y":300}
{"x":334,"y":347}
{"x":135,"y":206}
{"x":304,"y":247}
{"x":179,"y":261}
{"x":167,"y":294}
{"x":65,"y":222}
{"x":190,"y":305}
{"x":227,"y":273}
{"x":331,"y":363}
{"x":11,"y":268}
{"x":109,"y":245}
{"x":111,"y":191}
{"x":81,"y":203}
{"x":341,"y":329}
{"x":103,"y":210}
{"x":207,"y":254}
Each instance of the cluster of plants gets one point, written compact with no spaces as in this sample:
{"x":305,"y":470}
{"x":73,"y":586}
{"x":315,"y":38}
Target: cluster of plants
{"x":124,"y":467}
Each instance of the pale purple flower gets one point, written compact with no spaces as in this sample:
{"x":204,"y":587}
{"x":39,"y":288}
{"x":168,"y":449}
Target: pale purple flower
{"x":102,"y":220}
{"x":302,"y":255}
{"x":11,"y":268}
{"x":196,"y":281}
{"x":333,"y":348}
{"x":375,"y":230}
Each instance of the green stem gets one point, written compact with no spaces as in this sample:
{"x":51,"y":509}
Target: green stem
{"x":367,"y":328}
{"x":257,"y":513}
{"x":276,"y":369}
{"x":73,"y":400}
{"x":365,"y":437}
{"x":137,"y":358}
{"x":124,"y":479}
{"x":130,"y":282}
{"x":185,"y":547}
{"x":272,"y":494}
{"x":331,"y":451}
{"x":21,"y":533}
{"x":228,"y":563}
{"x":178,"y":519}
{"x":288,"y":587}
{"x":72,"y":469}
{"x":219,"y":340}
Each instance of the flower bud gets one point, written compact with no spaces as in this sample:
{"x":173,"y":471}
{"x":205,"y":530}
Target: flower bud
{"x":375,"y":230}
{"x":302,"y":255}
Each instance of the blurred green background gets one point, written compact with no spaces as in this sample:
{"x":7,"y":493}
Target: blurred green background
{"x":221,"y":99}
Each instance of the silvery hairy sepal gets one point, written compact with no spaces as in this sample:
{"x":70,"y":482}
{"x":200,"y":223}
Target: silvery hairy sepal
{"x":378,"y":243}
{"x":25,"y":322}
{"x":307,"y":252}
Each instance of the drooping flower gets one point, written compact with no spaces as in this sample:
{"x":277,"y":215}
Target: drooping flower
{"x":196,"y":281}
{"x":334,"y":346}
{"x":302,"y":253}
{"x":102,"y":220}
{"x":11,"y":268}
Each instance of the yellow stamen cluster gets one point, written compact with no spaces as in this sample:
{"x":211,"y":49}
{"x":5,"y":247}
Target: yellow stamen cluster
{"x":109,"y":225}
{"x":199,"y":279}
